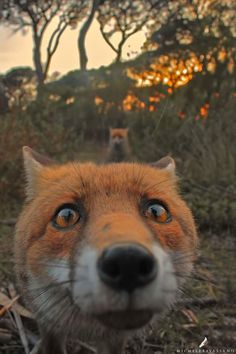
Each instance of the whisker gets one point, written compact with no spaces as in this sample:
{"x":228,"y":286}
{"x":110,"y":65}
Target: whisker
{"x":89,"y":294}
{"x":50,"y":286}
{"x":176,"y":256}
{"x":46,"y":305}
{"x":57,"y":316}
{"x":74,"y":313}
{"x":196,"y":277}
{"x":50,"y":263}
{"x":53,"y":285}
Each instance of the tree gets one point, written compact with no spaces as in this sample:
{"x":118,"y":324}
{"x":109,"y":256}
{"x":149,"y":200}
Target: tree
{"x":38,"y":15}
{"x":193,"y":39}
{"x":83,"y":32}
{"x":126,"y":18}
{"x":4,"y":100}
{"x":19,"y":86}
{"x":206,"y":28}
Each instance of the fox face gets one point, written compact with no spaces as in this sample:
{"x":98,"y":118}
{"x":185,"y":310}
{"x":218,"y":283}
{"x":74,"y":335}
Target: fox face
{"x":118,"y":135}
{"x":119,"y":149}
{"x":102,"y":248}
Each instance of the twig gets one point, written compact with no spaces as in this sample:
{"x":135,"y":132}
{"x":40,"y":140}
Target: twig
{"x":21,"y":329}
{"x":5,"y":301}
{"x":5,"y":336}
{"x":87,"y":346}
{"x":9,"y":222}
{"x":8,"y":306}
{"x":152,"y":345}
{"x":19,"y":322}
{"x":36,"y":348}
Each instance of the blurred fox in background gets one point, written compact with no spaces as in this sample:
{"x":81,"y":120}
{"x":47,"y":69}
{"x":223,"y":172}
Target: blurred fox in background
{"x":119,"y":148}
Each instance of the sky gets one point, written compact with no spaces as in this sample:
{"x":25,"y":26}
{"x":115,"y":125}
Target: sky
{"x":16,"y":49}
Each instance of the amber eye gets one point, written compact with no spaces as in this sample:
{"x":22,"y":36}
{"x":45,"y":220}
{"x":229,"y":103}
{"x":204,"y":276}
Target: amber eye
{"x":66,"y":216}
{"x":157,"y":212}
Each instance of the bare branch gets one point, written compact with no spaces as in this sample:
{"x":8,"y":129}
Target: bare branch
{"x":51,"y":49}
{"x":103,"y":33}
{"x":126,"y":18}
{"x":38,"y":15}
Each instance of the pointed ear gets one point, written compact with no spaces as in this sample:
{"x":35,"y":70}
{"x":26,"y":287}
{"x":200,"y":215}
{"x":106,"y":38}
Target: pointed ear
{"x":166,"y":163}
{"x":34,"y":163}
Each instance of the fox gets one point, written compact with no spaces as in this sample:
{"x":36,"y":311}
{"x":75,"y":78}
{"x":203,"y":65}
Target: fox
{"x":101,"y":251}
{"x":119,"y":148}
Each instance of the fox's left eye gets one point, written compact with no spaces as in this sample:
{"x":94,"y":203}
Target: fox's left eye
{"x":157,"y":212}
{"x":66,"y":216}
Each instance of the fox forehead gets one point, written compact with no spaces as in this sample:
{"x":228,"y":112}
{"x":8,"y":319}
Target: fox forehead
{"x":119,"y":132}
{"x":91,"y":179}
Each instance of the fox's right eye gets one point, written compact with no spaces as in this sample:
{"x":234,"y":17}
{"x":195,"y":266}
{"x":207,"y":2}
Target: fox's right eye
{"x":66,"y":216}
{"x":157,"y":212}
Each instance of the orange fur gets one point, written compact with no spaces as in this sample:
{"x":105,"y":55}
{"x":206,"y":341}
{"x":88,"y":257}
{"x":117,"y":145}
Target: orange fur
{"x":113,"y":193}
{"x":118,"y":132}
{"x":111,"y":196}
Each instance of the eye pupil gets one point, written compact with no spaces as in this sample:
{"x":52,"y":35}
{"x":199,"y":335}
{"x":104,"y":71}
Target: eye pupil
{"x":67,"y":216}
{"x":154,"y":211}
{"x":157,"y":212}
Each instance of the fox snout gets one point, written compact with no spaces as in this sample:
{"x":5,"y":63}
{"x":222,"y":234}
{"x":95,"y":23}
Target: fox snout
{"x":127,"y":267}
{"x":117,"y":140}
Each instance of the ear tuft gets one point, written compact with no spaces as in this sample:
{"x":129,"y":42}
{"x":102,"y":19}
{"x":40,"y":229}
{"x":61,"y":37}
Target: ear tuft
{"x":166,"y":163}
{"x":34,"y":163}
{"x":30,"y":154}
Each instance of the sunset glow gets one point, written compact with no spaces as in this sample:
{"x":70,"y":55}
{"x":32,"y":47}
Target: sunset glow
{"x":170,"y":72}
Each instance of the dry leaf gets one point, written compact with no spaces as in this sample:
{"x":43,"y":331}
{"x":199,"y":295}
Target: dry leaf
{"x":6,"y":302}
{"x":190,"y":315}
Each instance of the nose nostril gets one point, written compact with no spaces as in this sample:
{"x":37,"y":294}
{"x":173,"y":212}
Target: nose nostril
{"x":146,"y":267}
{"x":113,"y":270}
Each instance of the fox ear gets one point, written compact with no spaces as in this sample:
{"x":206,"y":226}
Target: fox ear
{"x":166,"y":163}
{"x":34,"y":163}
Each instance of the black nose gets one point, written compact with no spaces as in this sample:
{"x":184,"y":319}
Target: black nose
{"x":127,"y":267}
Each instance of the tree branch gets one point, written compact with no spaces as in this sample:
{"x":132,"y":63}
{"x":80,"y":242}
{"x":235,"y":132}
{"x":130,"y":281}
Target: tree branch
{"x":107,"y":40}
{"x":48,"y":20}
{"x":52,"y":48}
{"x":82,"y":35}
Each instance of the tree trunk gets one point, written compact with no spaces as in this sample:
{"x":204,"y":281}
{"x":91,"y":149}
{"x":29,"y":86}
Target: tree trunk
{"x":83,"y":33}
{"x":38,"y":62}
{"x":119,"y":51}
{"x":119,"y":55}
